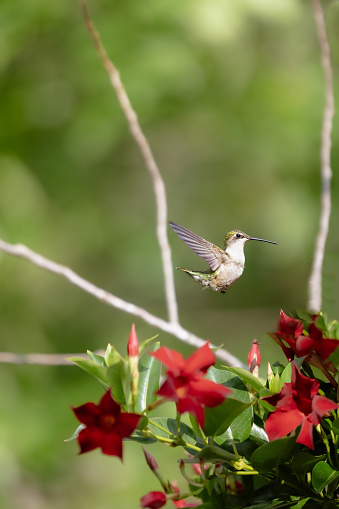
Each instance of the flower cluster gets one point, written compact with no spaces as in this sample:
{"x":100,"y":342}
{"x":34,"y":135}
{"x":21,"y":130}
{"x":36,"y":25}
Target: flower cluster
{"x":298,"y":403}
{"x":295,"y":340}
{"x":236,"y":419}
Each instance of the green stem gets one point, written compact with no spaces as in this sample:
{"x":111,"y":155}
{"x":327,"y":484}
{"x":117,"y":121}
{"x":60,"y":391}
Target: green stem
{"x":162,"y":428}
{"x":326,"y":443}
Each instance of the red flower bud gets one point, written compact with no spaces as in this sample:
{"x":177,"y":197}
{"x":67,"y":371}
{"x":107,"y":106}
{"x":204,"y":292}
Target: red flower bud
{"x":151,"y":462}
{"x":153,"y":500}
{"x":133,"y":343}
{"x":254,"y":358}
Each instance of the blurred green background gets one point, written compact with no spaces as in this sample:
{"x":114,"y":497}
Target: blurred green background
{"x":230,"y":95}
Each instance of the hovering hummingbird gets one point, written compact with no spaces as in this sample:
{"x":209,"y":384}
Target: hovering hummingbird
{"x":226,"y":265}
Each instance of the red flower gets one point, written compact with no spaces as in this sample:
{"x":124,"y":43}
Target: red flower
{"x":106,"y":426}
{"x":153,"y":500}
{"x":289,"y":327}
{"x":297,"y":403}
{"x":185,"y":383}
{"x":291,"y":331}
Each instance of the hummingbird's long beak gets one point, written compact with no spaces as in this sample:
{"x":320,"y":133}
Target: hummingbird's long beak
{"x":263,"y":240}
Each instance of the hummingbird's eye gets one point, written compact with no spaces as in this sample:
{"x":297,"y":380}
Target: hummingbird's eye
{"x":238,"y":235}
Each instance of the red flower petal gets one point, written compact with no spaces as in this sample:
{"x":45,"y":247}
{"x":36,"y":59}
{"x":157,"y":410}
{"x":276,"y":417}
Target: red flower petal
{"x":168,"y":389}
{"x":153,"y":500}
{"x":192,"y":406}
{"x":321,"y":405}
{"x":112,"y":445}
{"x":173,"y":360}
{"x":326,"y":346}
{"x":199,"y":361}
{"x":88,"y":413}
{"x":305,"y":436}
{"x":281,"y":422}
{"x":209,"y":393}
{"x":305,"y":386}
{"x":126,"y":424}
{"x":314,"y":332}
{"x":89,"y":439}
{"x":107,"y":405}
{"x":290,"y":326}
{"x":304,"y":346}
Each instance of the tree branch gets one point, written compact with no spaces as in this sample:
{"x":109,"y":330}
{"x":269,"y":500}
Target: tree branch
{"x":151,"y":165}
{"x":174,"y":329}
{"x":315,"y":279}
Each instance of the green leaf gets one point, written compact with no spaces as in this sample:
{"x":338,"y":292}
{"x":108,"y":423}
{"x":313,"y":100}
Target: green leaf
{"x":273,"y":453}
{"x":119,"y":377}
{"x":248,"y":378}
{"x":334,"y":357}
{"x":258,"y":434}
{"x":304,"y":502}
{"x":149,"y":369}
{"x":322,"y":475}
{"x":286,"y":375}
{"x":96,"y":358}
{"x":112,"y":356}
{"x":335,"y":426}
{"x":195,"y":426}
{"x":303,"y":462}
{"x":93,"y":368}
{"x":274,"y":384}
{"x":236,"y":411}
{"x":143,"y":345}
{"x":218,"y":419}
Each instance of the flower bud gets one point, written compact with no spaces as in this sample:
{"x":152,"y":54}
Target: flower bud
{"x":133,"y":343}
{"x":254,"y":358}
{"x":133,"y":356}
{"x":151,"y":462}
{"x":153,"y":500}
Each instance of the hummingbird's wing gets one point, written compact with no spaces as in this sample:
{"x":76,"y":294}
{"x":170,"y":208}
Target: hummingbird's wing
{"x":211,"y":253}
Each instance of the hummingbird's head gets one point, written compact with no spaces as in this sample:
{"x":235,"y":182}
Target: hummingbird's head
{"x":236,"y":238}
{"x":235,"y":241}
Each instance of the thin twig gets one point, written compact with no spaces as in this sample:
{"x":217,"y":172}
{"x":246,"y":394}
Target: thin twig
{"x":315,"y":280}
{"x":45,"y":359}
{"x":174,"y":329}
{"x":151,"y":165}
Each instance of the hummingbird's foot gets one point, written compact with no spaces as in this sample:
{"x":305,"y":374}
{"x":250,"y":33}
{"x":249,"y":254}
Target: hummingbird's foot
{"x":223,"y":291}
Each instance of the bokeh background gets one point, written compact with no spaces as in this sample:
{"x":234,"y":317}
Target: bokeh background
{"x":230,"y":95}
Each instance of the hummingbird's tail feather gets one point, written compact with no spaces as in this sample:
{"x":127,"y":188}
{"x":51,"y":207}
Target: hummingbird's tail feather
{"x":198,"y":275}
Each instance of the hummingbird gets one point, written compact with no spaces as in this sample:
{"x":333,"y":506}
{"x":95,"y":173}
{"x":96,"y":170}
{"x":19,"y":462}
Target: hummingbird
{"x":226,"y":266}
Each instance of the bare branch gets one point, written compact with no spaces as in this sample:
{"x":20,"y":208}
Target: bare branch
{"x":171,"y":328}
{"x":315,"y":280}
{"x":45,"y":359}
{"x":151,"y":165}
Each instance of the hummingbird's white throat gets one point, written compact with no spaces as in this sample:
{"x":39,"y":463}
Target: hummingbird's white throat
{"x":235,"y":250}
